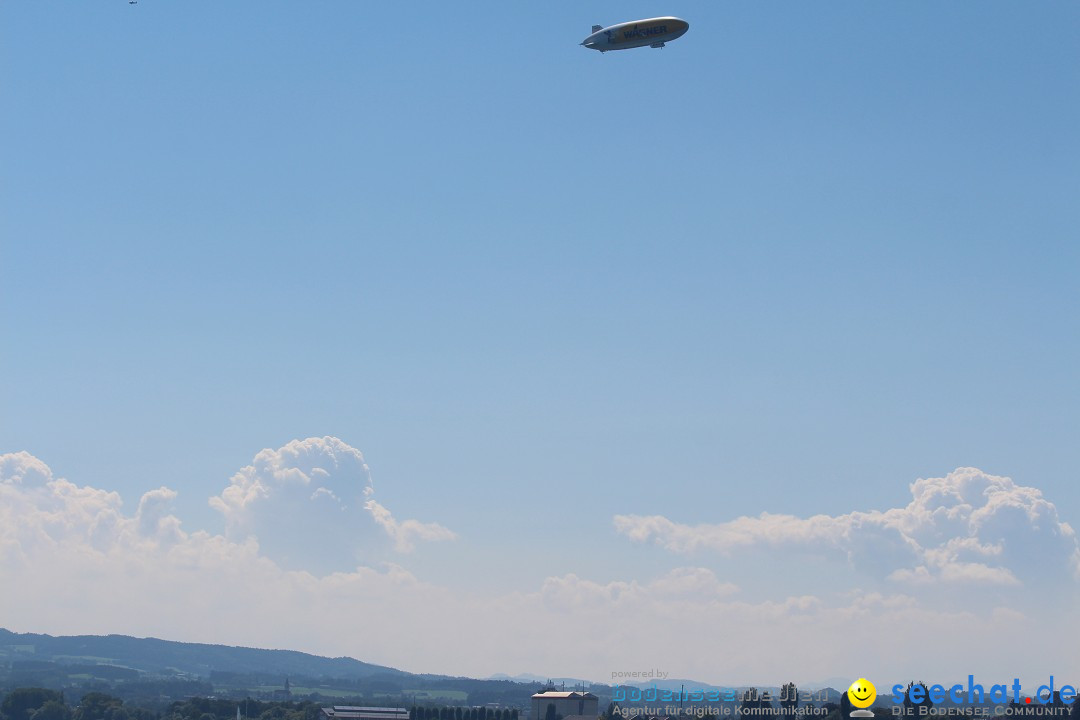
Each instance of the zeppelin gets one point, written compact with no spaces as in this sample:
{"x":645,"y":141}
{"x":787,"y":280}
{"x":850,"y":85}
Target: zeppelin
{"x":637,"y":33}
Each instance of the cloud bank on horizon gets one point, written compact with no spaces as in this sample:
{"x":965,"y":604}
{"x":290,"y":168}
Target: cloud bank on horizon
{"x":82,"y":564}
{"x":966,"y":527}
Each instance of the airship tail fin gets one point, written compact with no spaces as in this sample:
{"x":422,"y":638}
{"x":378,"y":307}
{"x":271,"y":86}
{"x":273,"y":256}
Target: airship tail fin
{"x":597,"y":28}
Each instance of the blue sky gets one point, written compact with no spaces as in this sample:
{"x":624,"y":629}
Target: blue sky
{"x":796,"y":260}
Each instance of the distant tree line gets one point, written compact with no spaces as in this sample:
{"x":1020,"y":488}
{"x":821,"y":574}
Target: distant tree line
{"x":46,"y":704}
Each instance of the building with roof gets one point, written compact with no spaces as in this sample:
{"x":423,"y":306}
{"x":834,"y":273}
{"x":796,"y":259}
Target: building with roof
{"x":565,"y":704}
{"x":355,"y":712}
{"x":285,"y":693}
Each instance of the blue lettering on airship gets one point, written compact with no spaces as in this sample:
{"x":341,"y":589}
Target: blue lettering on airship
{"x":659,"y":30}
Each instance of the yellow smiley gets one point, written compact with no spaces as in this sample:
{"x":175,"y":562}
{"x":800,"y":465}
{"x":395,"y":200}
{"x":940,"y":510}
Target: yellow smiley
{"x":862,"y":693}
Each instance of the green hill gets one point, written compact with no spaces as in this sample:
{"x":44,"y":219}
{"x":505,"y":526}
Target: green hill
{"x":168,"y":658}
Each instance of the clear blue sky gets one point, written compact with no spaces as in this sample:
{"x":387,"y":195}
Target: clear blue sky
{"x":799,"y":258}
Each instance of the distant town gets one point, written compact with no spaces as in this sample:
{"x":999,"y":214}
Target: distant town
{"x":123,"y":678}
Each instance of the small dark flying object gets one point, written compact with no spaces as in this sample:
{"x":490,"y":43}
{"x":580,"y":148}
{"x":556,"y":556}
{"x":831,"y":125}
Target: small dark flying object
{"x":653,"y":32}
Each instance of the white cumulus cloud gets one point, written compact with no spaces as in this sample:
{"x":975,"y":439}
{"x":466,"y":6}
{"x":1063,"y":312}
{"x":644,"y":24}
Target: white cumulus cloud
{"x":965,"y":527}
{"x":38,"y":510}
{"x":406,"y":533}
{"x":310,"y":505}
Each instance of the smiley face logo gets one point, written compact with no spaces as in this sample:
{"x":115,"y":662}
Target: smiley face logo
{"x":862,"y":693}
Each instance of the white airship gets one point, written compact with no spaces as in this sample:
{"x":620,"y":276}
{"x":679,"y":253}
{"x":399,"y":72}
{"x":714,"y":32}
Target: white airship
{"x":653,"y":32}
